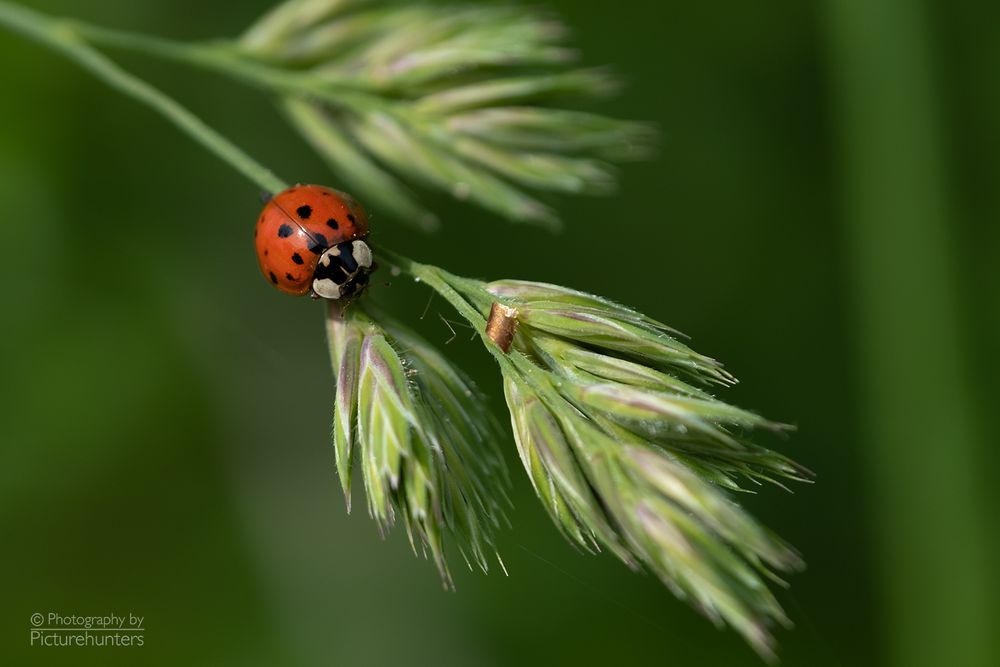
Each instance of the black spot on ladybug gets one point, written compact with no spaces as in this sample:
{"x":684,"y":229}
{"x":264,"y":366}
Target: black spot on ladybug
{"x":290,"y":277}
{"x":265,"y":252}
{"x":350,"y":216}
{"x":304,"y":211}
{"x":297,"y":258}
{"x":332,"y":224}
{"x":274,"y":278}
{"x":326,"y":194}
{"x":284,"y":231}
{"x":318,"y":244}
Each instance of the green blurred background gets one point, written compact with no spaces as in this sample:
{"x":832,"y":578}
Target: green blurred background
{"x":822,"y":216}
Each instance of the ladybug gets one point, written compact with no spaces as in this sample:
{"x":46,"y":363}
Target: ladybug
{"x":311,"y":239}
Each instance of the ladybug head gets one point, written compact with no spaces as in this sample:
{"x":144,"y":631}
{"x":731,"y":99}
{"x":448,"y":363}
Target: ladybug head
{"x":342,"y":270}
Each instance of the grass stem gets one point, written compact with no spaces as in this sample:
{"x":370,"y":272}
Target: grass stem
{"x":62,"y":37}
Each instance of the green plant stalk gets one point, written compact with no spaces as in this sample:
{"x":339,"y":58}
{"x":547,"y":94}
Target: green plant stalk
{"x":62,"y":38}
{"x":224,"y":58}
{"x":433,"y":278}
{"x":932,"y":534}
{"x":514,"y":363}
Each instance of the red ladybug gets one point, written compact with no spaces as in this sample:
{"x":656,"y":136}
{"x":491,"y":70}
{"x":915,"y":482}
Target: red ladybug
{"x":311,"y":238}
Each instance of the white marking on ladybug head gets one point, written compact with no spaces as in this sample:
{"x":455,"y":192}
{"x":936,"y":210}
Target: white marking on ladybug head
{"x":362,"y":254}
{"x":326,"y":288}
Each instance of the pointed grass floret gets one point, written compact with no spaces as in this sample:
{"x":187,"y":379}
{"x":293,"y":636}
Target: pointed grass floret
{"x":345,"y":357}
{"x":426,"y":446}
{"x":556,"y":474}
